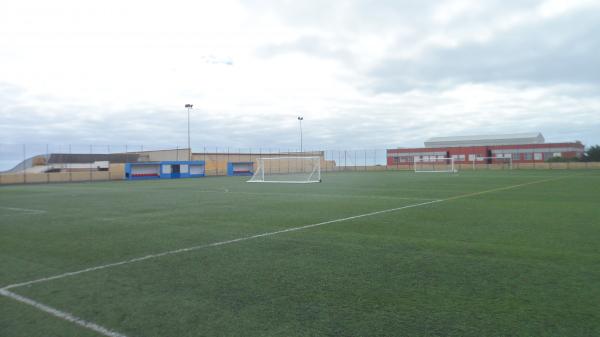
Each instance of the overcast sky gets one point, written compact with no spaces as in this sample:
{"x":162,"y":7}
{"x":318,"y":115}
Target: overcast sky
{"x":364,"y":74}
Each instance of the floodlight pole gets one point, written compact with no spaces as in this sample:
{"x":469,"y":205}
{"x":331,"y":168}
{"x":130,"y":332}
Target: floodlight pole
{"x":300,"y":118}
{"x":189,"y":107}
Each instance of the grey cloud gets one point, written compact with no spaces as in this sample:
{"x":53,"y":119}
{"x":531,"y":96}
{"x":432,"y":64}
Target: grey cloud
{"x":558,"y":50}
{"x":27,"y":119}
{"x":563,"y":50}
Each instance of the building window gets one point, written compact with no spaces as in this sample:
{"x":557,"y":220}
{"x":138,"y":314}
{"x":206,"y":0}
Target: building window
{"x":516,"y":156}
{"x":528,"y":156}
{"x":537,"y":156}
{"x":472,"y":157}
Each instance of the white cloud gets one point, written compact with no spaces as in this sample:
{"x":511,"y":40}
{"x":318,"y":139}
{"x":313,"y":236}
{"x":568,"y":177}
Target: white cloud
{"x":553,"y":8}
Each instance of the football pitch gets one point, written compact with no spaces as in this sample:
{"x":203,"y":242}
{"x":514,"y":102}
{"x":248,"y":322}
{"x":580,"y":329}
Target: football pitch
{"x":483,"y":253}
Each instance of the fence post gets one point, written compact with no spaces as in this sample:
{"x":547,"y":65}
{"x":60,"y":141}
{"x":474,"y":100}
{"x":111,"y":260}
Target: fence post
{"x":109,"y":170}
{"x":69,"y":166}
{"x":375,"y":158}
{"x":24,"y":167}
{"x":90,"y":168}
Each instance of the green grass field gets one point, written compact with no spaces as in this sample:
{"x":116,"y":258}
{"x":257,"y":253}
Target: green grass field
{"x":486,"y":253}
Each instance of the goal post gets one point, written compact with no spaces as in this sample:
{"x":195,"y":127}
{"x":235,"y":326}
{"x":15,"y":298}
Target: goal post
{"x":434,"y":165}
{"x":287,"y":170}
{"x":499,"y":163}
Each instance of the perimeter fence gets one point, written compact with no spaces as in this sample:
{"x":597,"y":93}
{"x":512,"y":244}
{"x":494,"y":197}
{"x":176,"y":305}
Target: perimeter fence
{"x":48,"y":163}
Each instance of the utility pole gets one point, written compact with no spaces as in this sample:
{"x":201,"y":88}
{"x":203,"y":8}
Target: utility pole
{"x":189,"y":107}
{"x":300,"y":119}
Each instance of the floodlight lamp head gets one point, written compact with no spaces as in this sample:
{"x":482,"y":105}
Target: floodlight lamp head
{"x":300,"y":118}
{"x":189,"y":106}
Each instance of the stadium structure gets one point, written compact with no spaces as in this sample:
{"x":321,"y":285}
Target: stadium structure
{"x":519,"y":148}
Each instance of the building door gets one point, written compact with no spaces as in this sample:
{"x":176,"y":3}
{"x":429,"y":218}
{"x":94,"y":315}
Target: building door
{"x":488,"y":154}
{"x":175,"y":171}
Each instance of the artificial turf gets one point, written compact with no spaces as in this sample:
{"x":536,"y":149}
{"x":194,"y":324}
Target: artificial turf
{"x":520,"y":259}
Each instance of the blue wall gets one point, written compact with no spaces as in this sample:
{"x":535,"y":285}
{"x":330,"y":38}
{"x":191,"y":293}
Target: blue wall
{"x":231,"y":168}
{"x":162,"y":173}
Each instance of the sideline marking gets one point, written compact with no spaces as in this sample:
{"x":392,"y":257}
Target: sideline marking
{"x":61,"y":314}
{"x":92,"y":326}
{"x":214,"y":244}
{"x":245,"y":238}
{"x":318,"y":195}
{"x":24,"y":210}
{"x":502,"y":188}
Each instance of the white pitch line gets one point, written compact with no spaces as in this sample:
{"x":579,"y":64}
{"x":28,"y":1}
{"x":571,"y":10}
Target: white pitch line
{"x":502,"y":188}
{"x":66,"y":316}
{"x":25,"y":210}
{"x":245,"y":238}
{"x":214,"y":244}
{"x":317,"y":195}
{"x":61,"y":314}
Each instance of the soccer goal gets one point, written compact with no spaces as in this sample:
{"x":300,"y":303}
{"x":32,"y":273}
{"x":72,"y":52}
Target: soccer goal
{"x":434,"y":165}
{"x":287,"y":170}
{"x":497,"y":163}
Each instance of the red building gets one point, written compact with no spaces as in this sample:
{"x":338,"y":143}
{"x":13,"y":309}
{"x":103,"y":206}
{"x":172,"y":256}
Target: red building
{"x":521,"y":148}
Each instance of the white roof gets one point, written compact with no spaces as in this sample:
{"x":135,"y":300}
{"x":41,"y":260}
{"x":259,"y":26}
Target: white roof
{"x":483,"y":140}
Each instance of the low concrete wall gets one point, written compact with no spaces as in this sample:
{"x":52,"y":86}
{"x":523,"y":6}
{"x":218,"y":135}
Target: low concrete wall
{"x":559,"y":166}
{"x":115,"y":172}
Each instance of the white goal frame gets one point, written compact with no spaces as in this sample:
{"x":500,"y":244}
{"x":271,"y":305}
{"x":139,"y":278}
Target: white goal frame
{"x":314,"y":176}
{"x":432,"y":161}
{"x":483,"y":161}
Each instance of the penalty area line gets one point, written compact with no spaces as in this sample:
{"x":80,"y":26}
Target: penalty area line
{"x":23,"y":210}
{"x":61,"y":314}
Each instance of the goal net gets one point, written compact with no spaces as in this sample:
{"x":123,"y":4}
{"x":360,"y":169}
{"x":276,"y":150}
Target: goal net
{"x":490,"y":163}
{"x":434,"y":165}
{"x":287,"y":170}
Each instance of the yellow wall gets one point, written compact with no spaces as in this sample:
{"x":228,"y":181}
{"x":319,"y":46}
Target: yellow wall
{"x":216,"y":163}
{"x":116,"y":172}
{"x":164,"y":155}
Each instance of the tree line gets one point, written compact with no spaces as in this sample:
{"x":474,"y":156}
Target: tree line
{"x":592,"y":153}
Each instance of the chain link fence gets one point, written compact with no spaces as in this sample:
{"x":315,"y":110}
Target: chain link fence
{"x":48,"y":163}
